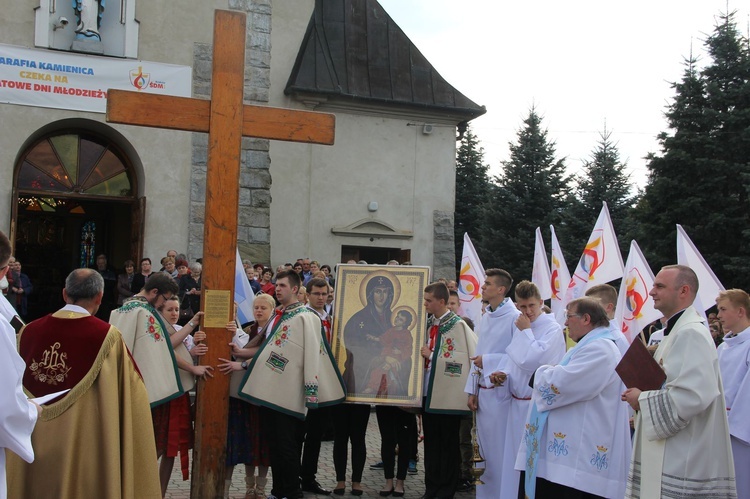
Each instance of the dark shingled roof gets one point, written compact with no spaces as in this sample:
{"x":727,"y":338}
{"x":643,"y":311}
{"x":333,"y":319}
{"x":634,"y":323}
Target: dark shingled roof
{"x":352,"y":48}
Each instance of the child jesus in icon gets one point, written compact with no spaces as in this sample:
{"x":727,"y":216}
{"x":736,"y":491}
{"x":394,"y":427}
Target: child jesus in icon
{"x":389,"y":372}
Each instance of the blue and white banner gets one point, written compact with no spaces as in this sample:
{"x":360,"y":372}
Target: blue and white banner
{"x":243,"y":293}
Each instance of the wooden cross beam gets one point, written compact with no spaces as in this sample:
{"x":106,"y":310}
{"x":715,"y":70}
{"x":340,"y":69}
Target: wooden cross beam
{"x":226,"y":120}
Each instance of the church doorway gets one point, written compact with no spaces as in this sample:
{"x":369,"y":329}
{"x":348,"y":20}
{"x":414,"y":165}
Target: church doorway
{"x":375,"y":255}
{"x":75,"y":198}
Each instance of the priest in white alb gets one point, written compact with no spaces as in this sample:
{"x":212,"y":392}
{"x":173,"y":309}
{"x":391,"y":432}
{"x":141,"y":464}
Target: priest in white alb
{"x":734,"y":361}
{"x":492,"y":403}
{"x":538,"y":341}
{"x":576,"y":440}
{"x":681,"y":445}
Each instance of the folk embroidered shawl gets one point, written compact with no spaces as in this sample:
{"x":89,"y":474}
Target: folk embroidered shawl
{"x":147,"y":339}
{"x":293,"y":371}
{"x":450,"y":367}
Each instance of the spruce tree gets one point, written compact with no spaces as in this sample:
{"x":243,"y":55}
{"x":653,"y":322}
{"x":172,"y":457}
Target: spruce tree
{"x":530,"y":192}
{"x":472,"y":188}
{"x":699,"y":179}
{"x":604,"y":179}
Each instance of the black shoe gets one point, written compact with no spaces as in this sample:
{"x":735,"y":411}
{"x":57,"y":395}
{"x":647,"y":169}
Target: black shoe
{"x":315,"y":488}
{"x":357,"y":492}
{"x":339,"y":492}
{"x":386,"y":493}
{"x":377,"y":466}
{"x":399,"y":494}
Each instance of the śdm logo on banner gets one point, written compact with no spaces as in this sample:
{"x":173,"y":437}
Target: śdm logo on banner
{"x":468,"y":283}
{"x":139,"y":79}
{"x":555,"y":279}
{"x":636,"y":295}
{"x":594,"y":254}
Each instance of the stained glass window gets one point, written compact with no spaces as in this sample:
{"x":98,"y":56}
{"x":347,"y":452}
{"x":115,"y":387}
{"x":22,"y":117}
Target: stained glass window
{"x":75,"y":163}
{"x":88,"y":243}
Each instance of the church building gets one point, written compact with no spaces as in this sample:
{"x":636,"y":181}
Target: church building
{"x":73,"y":186}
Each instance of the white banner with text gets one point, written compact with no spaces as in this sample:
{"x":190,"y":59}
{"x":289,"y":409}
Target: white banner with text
{"x":63,"y":80}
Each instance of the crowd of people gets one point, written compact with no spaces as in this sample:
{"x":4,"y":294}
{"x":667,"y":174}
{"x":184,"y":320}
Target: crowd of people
{"x":551,"y":421}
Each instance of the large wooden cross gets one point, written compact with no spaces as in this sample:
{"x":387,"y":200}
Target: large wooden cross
{"x":226,"y":120}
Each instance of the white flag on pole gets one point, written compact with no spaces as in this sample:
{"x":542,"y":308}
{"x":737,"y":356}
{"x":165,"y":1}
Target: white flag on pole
{"x":601,"y":260}
{"x":708,"y":284}
{"x":470,"y":281}
{"x":243,"y":293}
{"x":635,"y":307}
{"x":559,"y":276}
{"x":540,"y":274}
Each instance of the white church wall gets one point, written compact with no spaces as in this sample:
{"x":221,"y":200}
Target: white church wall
{"x":167,"y":34}
{"x":378,"y":156}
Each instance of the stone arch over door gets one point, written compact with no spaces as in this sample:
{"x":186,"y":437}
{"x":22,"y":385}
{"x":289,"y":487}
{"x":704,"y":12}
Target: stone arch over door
{"x":76,"y":187}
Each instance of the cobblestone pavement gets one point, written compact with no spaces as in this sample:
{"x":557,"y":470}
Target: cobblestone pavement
{"x":372,"y":480}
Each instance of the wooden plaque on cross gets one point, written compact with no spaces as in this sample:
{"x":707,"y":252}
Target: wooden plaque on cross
{"x":226,"y":120}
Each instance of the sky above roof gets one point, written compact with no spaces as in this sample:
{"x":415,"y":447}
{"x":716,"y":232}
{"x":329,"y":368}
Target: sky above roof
{"x":583,"y":65}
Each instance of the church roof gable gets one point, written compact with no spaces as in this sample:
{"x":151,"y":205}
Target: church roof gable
{"x":352,"y":48}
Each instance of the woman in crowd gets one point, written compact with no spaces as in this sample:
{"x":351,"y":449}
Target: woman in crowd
{"x":252,"y":278}
{"x":326,"y":269}
{"x":182,"y":268}
{"x":302,"y":295}
{"x":266,"y":284}
{"x":170,"y":267}
{"x":124,"y":282}
{"x":173,"y":420}
{"x":349,"y":424}
{"x":246,"y":443}
{"x":717,"y":332}
{"x":190,"y":292}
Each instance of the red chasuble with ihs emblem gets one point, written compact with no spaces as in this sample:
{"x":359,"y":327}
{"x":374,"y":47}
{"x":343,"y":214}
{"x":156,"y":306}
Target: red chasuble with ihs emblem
{"x":59,"y":350}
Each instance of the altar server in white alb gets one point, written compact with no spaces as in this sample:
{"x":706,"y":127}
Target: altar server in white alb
{"x":681,"y":444}
{"x":18,"y":415}
{"x":497,"y":328}
{"x":576,"y":440}
{"x":607,"y":296}
{"x":734,"y":362}
{"x":538,"y":341}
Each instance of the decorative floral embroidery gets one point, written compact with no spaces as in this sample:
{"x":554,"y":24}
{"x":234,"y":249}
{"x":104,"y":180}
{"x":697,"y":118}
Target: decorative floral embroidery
{"x":599,"y":458}
{"x":446,"y":348}
{"x":311,"y":392}
{"x":549,"y":392}
{"x":52,"y":369}
{"x":529,"y":437}
{"x":281,"y":335}
{"x":323,"y":351}
{"x":154,"y":328}
{"x":557,"y":446}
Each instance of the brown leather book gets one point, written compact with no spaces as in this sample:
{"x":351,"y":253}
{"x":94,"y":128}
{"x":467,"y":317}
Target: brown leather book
{"x":638,"y":369}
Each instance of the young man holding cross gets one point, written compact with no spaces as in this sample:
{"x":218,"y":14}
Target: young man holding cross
{"x":147,"y":339}
{"x":287,"y":377}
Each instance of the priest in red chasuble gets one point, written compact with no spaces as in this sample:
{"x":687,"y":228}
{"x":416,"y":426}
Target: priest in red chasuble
{"x":95,"y":440}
